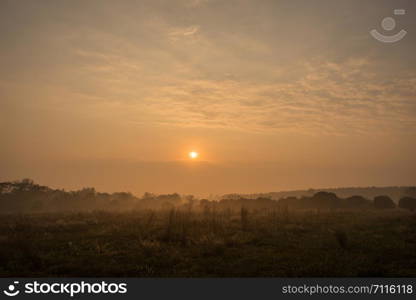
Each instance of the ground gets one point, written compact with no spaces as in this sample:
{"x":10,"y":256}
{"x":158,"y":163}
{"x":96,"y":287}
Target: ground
{"x":209,"y":244}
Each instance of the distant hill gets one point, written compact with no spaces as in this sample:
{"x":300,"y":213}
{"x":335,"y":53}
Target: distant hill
{"x":395,"y":192}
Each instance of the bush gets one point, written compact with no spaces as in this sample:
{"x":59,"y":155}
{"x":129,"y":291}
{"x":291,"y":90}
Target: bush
{"x":324,"y":200}
{"x":408,"y":203}
{"x":357,"y":202}
{"x":383,"y":202}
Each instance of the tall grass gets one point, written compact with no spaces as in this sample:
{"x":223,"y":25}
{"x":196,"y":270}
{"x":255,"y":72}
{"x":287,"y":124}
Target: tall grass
{"x":209,"y":242}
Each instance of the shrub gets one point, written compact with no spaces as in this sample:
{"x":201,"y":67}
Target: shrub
{"x":324,"y":200}
{"x":383,"y":202}
{"x":357,"y":202}
{"x":408,"y":203}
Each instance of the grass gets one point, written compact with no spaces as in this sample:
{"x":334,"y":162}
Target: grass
{"x":185,"y":243}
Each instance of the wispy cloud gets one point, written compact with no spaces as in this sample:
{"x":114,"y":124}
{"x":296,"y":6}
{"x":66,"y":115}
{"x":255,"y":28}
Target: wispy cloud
{"x":186,"y":31}
{"x":202,"y":74}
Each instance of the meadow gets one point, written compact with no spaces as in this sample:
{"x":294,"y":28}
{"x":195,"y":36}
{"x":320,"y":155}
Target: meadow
{"x":210,"y":243}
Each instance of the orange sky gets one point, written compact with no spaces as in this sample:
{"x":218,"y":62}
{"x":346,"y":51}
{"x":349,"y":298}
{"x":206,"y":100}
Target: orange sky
{"x":272,"y":94}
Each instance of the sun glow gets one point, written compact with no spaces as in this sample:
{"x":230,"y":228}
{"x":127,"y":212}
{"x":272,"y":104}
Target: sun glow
{"x":193,"y":155}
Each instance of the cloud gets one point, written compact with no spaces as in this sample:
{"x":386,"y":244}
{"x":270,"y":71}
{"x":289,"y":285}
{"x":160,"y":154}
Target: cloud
{"x":330,"y":98}
{"x":322,"y":96}
{"x":183,"y":32}
{"x":200,"y":71}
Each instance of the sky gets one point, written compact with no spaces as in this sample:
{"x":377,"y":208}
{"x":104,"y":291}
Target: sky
{"x":273,"y":95}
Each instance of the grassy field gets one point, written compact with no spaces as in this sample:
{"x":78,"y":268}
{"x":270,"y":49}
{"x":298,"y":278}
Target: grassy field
{"x":210,"y":244}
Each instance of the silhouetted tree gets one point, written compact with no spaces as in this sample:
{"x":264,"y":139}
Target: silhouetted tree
{"x":411,"y":192}
{"x":26,"y":196}
{"x":383,"y":202}
{"x":291,"y":202}
{"x":408,"y":203}
{"x":357,"y":202}
{"x":324,"y":200}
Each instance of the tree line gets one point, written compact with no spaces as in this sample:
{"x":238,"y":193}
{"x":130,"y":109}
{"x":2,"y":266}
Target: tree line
{"x":25,"y":196}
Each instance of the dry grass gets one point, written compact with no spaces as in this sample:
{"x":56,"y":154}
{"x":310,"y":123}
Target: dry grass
{"x":185,"y":243}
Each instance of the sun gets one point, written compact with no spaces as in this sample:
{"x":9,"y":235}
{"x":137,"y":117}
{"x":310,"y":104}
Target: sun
{"x":193,"y":155}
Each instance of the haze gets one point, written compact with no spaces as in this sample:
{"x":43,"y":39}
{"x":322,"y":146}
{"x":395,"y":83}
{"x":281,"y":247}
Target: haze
{"x":273,"y":95}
